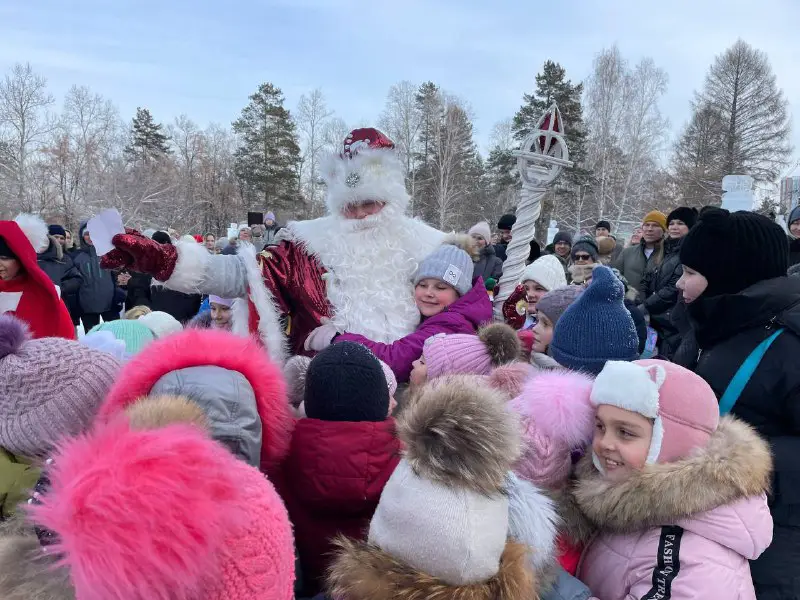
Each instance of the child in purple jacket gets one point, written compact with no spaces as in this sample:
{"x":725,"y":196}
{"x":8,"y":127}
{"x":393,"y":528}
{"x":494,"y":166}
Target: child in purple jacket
{"x":448,"y":301}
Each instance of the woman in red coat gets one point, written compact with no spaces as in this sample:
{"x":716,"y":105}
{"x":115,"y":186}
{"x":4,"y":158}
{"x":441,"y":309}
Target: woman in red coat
{"x":25,"y":290}
{"x":341,"y":455}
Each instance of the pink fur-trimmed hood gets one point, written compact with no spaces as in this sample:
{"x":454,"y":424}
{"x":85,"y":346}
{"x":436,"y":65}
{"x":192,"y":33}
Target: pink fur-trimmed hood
{"x":196,"y":348}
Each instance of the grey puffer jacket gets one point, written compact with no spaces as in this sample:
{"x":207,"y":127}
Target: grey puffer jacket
{"x":229,"y":402}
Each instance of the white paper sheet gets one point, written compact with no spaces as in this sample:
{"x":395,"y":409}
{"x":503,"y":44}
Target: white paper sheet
{"x":9,"y":301}
{"x":102,"y":228}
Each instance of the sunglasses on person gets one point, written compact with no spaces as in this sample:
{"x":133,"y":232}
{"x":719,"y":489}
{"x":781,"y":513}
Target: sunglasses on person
{"x":583,"y":257}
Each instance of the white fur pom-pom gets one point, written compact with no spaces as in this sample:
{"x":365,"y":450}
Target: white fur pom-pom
{"x":34,"y":229}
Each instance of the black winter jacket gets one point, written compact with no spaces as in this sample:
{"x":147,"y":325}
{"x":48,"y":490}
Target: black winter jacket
{"x":98,"y":289}
{"x":729,"y":328}
{"x":661,"y":296}
{"x":489,"y":265}
{"x":500,"y":251}
{"x":181,"y":306}
{"x":138,"y":290}
{"x":794,"y":252}
{"x":60,"y":268}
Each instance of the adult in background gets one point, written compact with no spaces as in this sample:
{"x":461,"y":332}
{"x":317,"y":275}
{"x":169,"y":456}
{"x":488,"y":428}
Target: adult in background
{"x":245,"y":233}
{"x":210,"y":242}
{"x":98,"y":292}
{"x":489,"y":265}
{"x":739,"y":301}
{"x":504,"y":226}
{"x":607,"y":246}
{"x":271,"y":229}
{"x":183,"y":307}
{"x":58,"y":265}
{"x":794,"y":236}
{"x":258,"y":240}
{"x":660,"y":284}
{"x":57,"y":262}
{"x":25,"y":290}
{"x":561,"y":248}
{"x":583,"y":257}
{"x":636,"y":261}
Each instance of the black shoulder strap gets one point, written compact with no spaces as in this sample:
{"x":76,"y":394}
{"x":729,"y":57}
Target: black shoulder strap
{"x":668,"y":563}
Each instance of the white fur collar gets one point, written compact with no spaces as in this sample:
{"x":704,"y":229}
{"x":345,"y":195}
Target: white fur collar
{"x":370,"y":265}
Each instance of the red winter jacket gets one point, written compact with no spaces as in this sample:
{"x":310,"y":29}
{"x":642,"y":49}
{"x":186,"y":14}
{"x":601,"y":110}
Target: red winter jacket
{"x":333,"y":479}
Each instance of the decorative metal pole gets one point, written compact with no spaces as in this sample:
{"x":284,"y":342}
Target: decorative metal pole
{"x":543,"y":155}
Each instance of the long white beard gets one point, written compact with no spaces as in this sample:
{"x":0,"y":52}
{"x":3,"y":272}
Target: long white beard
{"x":370,"y":265}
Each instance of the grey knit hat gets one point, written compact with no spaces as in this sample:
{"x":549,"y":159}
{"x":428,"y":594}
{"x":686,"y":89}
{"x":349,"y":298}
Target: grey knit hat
{"x":50,"y":388}
{"x":554,"y":303}
{"x":450,"y":264}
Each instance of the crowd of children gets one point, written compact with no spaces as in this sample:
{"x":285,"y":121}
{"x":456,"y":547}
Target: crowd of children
{"x":540,"y":457}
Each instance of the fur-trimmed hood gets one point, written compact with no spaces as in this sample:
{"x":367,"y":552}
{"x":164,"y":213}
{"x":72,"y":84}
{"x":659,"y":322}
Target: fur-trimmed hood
{"x":362,"y":571}
{"x":735,"y":465}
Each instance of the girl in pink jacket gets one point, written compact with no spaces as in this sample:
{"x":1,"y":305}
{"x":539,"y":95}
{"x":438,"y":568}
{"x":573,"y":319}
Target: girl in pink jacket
{"x":672,"y":497}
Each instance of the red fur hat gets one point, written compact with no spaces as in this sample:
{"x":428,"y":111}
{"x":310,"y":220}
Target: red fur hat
{"x":208,"y":347}
{"x":163,"y":514}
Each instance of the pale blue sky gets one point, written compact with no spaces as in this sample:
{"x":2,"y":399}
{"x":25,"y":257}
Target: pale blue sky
{"x":204,"y":58}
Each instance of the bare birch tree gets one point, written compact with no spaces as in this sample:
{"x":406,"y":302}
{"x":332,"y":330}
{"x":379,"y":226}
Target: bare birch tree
{"x":402,"y":120}
{"x":311,"y":116}
{"x":24,"y":124}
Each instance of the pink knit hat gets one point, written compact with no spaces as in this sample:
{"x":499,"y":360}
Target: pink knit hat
{"x":50,"y":388}
{"x":466,"y":354}
{"x":164,"y":514}
{"x":557,"y":417}
{"x":683,"y":406}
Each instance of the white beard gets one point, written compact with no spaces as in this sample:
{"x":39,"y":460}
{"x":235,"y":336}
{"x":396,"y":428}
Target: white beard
{"x":370,"y":264}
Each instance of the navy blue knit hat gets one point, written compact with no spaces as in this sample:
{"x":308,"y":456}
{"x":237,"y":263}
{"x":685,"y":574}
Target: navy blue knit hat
{"x":596,"y":328}
{"x":345,"y":382}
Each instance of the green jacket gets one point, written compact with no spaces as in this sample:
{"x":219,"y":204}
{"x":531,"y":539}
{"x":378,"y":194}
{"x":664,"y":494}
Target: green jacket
{"x":633,"y":264}
{"x":17,"y":476}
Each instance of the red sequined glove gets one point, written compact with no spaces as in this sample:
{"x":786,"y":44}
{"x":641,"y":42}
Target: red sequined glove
{"x":135,"y":252}
{"x":510,"y":309}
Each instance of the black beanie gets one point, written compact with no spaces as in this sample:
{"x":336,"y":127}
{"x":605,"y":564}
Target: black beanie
{"x":345,"y":382}
{"x":56,"y":230}
{"x":162,"y":237}
{"x":506,"y":222}
{"x":562,"y":236}
{"x":735,"y":250}
{"x":5,"y":249}
{"x":604,"y":224}
{"x":685,"y":214}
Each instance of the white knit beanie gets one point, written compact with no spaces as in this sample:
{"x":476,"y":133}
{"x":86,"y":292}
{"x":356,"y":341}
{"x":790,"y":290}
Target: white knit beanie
{"x":482,"y":229}
{"x":547,"y":271}
{"x":160,"y":323}
{"x":444,"y":511}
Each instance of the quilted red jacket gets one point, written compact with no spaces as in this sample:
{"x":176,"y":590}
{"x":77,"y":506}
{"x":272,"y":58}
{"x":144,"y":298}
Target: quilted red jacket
{"x":332,"y":481}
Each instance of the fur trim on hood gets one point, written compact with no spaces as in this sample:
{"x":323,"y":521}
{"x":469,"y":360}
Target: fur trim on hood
{"x":362,"y":571}
{"x":152,"y":412}
{"x":35,"y":230}
{"x":457,"y":432}
{"x":735,"y":464}
{"x":465,"y":242}
{"x":27,"y":573}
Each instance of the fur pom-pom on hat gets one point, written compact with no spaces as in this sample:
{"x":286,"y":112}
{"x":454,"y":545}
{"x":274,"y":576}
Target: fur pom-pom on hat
{"x":559,"y":403}
{"x":465,"y":242}
{"x":501,"y":342}
{"x":13,"y":333}
{"x":34,"y":229}
{"x":459,"y":433}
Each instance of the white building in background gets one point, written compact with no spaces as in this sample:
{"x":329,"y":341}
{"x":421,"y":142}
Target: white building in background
{"x":789,"y":193}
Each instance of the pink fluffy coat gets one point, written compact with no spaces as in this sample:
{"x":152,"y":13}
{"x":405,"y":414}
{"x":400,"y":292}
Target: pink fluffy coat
{"x":165,"y":514}
{"x":198,"y":347}
{"x":557,"y":417}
